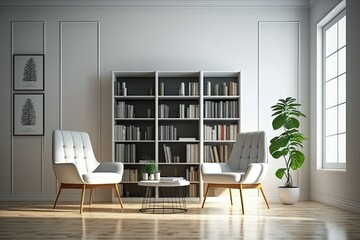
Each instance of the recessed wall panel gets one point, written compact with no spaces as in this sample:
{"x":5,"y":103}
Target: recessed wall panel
{"x":79,"y":78}
{"x":27,"y":157}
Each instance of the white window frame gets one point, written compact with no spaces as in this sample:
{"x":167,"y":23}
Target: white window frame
{"x":329,"y":20}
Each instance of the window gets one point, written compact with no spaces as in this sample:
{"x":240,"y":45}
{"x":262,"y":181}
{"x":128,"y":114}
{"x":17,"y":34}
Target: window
{"x":334,"y":93}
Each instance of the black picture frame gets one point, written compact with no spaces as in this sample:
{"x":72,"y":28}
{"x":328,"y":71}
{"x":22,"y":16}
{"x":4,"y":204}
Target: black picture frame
{"x":28,"y":114}
{"x":28,"y":72}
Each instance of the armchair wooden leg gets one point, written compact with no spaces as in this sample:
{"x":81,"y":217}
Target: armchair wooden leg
{"x":90,"y":201}
{"x":230,"y":197}
{"x":82,"y":198}
{"x":241,"y":198}
{"x":118,"y":195}
{"x":57,"y":197}
{"x":206,"y":193}
{"x":262,"y":191}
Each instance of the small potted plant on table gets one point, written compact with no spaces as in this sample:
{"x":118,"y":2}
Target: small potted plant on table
{"x":287,"y":145}
{"x":149,"y":171}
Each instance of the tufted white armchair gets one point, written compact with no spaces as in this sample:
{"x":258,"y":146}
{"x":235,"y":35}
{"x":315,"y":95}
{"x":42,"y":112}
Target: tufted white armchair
{"x":75,"y":165}
{"x":246,"y":167}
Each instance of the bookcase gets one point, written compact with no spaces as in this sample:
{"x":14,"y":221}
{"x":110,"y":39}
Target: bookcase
{"x":176,"y":119}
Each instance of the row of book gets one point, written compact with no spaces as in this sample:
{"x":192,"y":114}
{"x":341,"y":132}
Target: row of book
{"x":125,"y":153}
{"x":130,"y":175}
{"x":222,"y":89}
{"x":221,"y":109}
{"x":191,"y":90}
{"x":192,"y":174}
{"x":123,"y":110}
{"x":168,"y":132}
{"x":122,"y":132}
{"x":217,"y":153}
{"x":220,"y":132}
{"x":190,"y":111}
{"x":192,"y":154}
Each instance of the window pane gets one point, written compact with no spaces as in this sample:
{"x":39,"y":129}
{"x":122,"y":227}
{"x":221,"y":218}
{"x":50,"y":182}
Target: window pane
{"x":342,"y":88}
{"x":342,"y":32}
{"x":342,"y":118}
{"x":342,"y":148}
{"x":342,"y":60}
{"x":331,"y":67}
{"x":331,"y":93}
{"x":331,"y":121}
{"x":331,"y":40}
{"x":331,"y":149}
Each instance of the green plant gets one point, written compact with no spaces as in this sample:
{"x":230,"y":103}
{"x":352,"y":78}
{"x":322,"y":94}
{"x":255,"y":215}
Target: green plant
{"x":288,"y":143}
{"x":150,"y":168}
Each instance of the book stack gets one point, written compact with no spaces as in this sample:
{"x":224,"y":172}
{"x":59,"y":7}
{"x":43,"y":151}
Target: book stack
{"x":193,"y":190}
{"x":220,"y":132}
{"x":221,"y":109}
{"x":167,"y":153}
{"x":192,"y":153}
{"x":122,"y":132}
{"x":120,"y":89}
{"x":222,"y":89}
{"x":122,"y":110}
{"x":192,"y":174}
{"x":130,"y":175}
{"x":168,"y":133}
{"x":164,"y":111}
{"x":125,"y":153}
{"x":217,"y":153}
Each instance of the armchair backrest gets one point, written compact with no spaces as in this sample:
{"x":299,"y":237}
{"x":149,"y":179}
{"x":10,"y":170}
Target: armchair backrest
{"x":74,"y":147}
{"x":250,"y":147}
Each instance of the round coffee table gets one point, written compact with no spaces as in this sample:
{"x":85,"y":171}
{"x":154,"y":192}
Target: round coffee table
{"x":171,"y":200}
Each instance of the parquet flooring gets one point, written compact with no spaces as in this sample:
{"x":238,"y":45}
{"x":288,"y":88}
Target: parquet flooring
{"x":304,"y":220}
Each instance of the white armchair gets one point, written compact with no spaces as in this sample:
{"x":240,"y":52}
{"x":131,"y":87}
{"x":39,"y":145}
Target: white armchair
{"x":75,"y":165}
{"x":245,"y":168}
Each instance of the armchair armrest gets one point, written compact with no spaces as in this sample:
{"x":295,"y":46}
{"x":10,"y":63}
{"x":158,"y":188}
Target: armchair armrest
{"x":67,"y":173}
{"x":114,"y":167}
{"x":255,"y":173}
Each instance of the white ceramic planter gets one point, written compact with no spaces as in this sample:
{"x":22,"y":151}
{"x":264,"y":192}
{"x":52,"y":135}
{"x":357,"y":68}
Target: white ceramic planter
{"x":157,"y":176}
{"x":145,"y":176}
{"x":289,"y":196}
{"x":151,"y":176}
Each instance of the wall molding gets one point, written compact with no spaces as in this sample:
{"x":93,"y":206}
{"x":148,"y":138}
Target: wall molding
{"x":160,"y":3}
{"x":335,"y":201}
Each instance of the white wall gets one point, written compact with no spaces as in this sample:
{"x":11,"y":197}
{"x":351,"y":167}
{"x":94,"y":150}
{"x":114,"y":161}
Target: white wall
{"x":338,"y":188}
{"x":94,"y":41}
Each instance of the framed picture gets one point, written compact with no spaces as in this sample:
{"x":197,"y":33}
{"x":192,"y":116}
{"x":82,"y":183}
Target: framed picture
{"x":28,"y":114}
{"x":28,"y":72}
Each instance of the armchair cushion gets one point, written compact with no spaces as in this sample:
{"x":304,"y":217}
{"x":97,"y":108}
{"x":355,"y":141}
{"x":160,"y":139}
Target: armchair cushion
{"x":101,"y":178}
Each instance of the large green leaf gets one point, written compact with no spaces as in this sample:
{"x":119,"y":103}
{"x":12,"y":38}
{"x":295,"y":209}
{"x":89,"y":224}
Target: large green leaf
{"x":280,"y":173}
{"x":297,"y":159}
{"x":278,"y":154}
{"x":279,"y":121}
{"x":292,"y":123}
{"x":278,"y":143}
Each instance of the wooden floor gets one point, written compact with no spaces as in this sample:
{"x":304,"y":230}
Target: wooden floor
{"x":305,"y":220}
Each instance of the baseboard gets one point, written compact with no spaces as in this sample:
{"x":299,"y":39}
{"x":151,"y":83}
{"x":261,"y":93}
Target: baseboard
{"x":336,"y":201}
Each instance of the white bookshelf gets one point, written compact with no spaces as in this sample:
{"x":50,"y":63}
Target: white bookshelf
{"x":184,"y":95}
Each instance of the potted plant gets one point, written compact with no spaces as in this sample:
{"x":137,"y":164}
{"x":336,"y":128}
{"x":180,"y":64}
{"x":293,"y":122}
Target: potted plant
{"x":287,"y":145}
{"x":149,"y":170}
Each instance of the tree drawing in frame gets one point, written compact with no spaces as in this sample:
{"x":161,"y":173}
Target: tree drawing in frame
{"x":28,"y":72}
{"x":28,"y":114}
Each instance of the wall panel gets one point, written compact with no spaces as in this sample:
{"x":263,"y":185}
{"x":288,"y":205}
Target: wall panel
{"x":27,"y":151}
{"x":80,"y":82}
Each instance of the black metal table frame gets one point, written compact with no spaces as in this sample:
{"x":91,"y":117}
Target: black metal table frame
{"x":173,"y":200}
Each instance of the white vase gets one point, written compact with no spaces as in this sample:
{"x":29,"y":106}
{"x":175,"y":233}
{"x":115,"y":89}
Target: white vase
{"x":145,"y":176}
{"x":157,"y":176}
{"x":151,"y":176}
{"x":289,"y":195}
